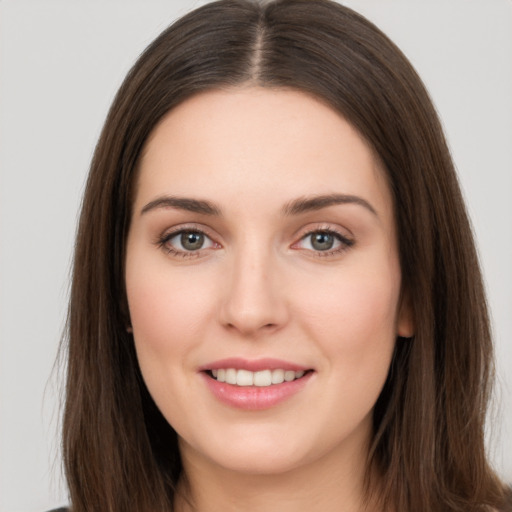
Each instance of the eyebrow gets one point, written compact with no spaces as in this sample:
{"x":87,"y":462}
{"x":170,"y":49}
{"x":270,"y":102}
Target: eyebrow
{"x":307,"y":204}
{"x":295,"y":207}
{"x":182,"y":203}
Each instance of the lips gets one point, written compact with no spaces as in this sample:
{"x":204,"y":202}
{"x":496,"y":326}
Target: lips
{"x":254,"y":385}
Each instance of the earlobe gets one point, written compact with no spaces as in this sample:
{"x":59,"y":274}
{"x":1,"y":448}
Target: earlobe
{"x":405,"y":327}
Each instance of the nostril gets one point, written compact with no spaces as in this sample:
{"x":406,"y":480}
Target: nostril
{"x":249,"y":328}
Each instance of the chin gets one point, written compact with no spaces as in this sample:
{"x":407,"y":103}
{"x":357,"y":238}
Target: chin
{"x":249,"y":452}
{"x":259,"y":464}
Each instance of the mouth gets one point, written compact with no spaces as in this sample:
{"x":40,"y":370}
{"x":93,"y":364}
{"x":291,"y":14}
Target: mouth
{"x":255,"y":384}
{"x":262,"y":378}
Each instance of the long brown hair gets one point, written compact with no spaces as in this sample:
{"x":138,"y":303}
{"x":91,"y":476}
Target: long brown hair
{"x":120,"y":454}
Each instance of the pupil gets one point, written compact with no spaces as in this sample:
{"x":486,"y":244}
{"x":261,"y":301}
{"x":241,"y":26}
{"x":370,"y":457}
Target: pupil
{"x":322,"y":241}
{"x":192,"y":241}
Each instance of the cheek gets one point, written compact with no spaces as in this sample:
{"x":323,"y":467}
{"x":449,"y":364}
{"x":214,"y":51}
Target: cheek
{"x":167,"y":312}
{"x":167,"y":309}
{"x":354,"y":321}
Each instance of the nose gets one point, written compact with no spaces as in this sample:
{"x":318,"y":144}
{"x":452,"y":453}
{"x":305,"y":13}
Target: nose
{"x":254,"y":298}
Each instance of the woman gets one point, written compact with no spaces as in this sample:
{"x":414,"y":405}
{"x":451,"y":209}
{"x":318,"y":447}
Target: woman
{"x":276,"y":299}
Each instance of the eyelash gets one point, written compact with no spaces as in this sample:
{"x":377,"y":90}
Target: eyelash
{"x":163,"y":242}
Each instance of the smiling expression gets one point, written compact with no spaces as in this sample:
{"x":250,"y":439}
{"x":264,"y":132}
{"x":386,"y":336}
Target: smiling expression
{"x":263,"y":279}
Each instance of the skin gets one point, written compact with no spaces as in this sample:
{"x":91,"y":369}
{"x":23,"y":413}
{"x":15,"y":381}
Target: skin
{"x":259,"y":288}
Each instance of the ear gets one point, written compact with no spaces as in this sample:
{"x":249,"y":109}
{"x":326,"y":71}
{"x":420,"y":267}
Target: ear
{"x":405,"y":325}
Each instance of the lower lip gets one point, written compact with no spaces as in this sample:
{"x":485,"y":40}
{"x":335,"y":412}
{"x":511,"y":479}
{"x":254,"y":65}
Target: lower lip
{"x":254,"y":398}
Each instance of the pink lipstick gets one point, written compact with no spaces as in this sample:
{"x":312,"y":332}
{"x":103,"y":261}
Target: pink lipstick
{"x":254,"y":384}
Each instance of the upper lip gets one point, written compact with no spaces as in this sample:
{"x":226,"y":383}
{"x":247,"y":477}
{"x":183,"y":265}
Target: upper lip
{"x":253,"y":365}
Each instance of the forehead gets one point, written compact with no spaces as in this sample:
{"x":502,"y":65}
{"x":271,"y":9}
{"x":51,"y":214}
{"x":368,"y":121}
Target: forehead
{"x":252,"y":141}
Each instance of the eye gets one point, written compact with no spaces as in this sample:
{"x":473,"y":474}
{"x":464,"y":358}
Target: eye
{"x":324,"y":241}
{"x":186,"y":242}
{"x":321,"y":241}
{"x":189,"y":240}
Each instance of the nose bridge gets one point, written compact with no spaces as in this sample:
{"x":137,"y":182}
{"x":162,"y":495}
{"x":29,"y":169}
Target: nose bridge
{"x":254,"y":300}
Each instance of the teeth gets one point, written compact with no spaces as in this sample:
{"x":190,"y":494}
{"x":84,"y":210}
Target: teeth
{"x":277,"y":376}
{"x":289,"y":376}
{"x":263,"y":378}
{"x":231,"y":376}
{"x":260,"y":379}
{"x":244,"y":378}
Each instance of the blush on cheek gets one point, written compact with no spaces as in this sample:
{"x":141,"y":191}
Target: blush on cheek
{"x":164,"y":313}
{"x":364,"y":309}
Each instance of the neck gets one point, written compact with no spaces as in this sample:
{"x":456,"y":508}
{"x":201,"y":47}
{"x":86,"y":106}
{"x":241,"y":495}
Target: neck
{"x":335,"y":482}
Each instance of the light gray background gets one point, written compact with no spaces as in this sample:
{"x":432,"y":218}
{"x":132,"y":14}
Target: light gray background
{"x":60,"y":65}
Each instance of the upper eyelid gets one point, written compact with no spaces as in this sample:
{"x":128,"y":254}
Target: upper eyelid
{"x":315,"y":227}
{"x":176,"y":230}
{"x":324,"y":230}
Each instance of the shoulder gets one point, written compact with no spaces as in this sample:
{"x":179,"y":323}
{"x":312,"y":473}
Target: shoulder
{"x":61,"y":509}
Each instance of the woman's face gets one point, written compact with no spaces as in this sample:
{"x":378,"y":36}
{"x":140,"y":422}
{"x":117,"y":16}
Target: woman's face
{"x":262,"y":252}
